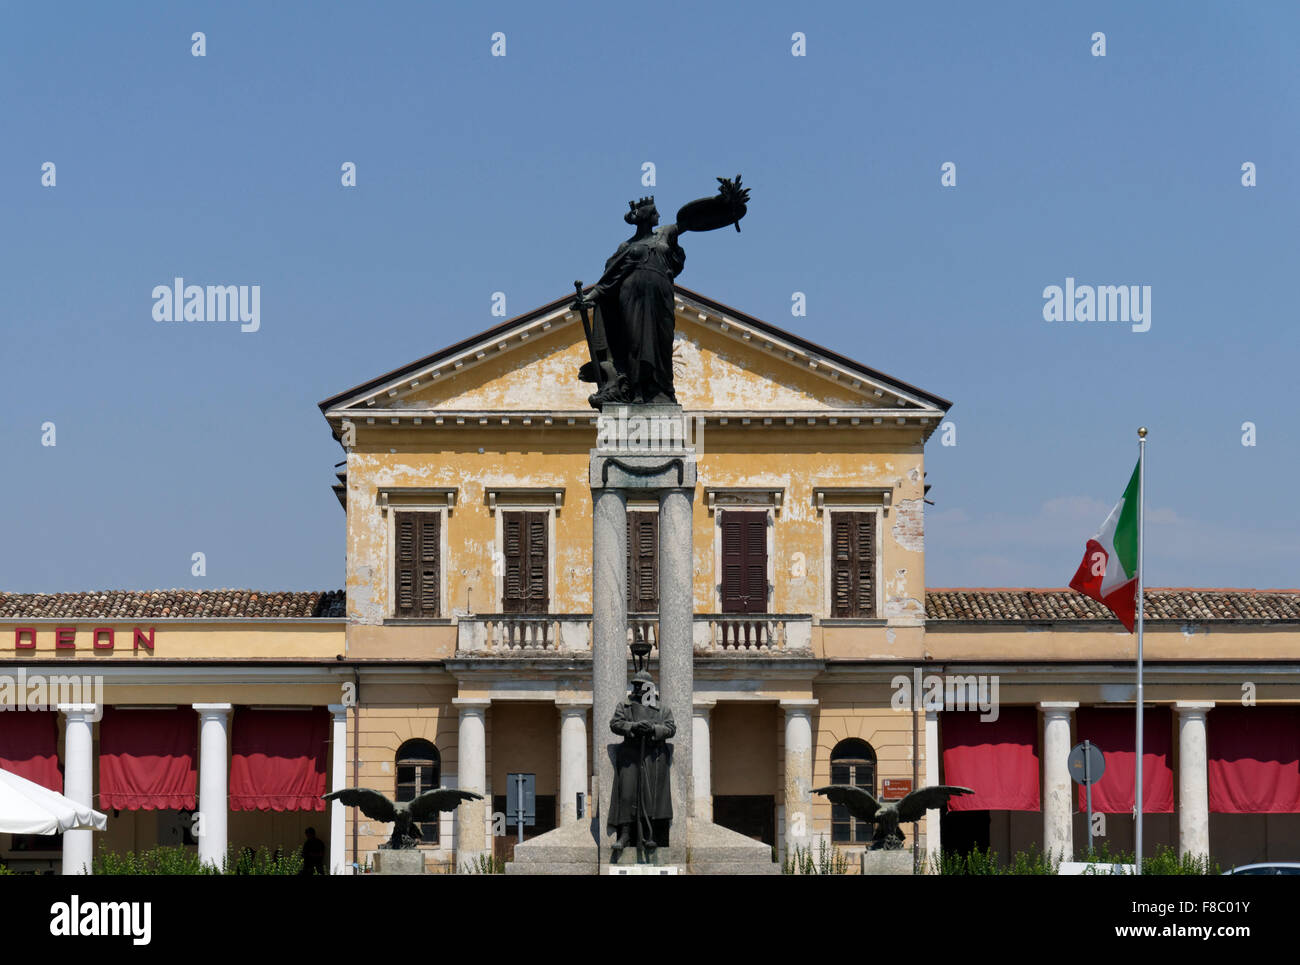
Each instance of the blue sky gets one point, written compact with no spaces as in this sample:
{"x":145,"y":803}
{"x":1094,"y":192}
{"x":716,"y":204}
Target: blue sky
{"x":480,"y":173}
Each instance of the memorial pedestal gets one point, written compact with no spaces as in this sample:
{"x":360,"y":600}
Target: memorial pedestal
{"x":643,"y":449}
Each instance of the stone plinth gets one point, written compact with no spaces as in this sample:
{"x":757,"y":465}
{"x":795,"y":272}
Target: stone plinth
{"x":887,"y":862}
{"x":404,"y":861}
{"x":711,"y":850}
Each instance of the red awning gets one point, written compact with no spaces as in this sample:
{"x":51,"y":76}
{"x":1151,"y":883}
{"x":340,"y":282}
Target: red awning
{"x":29,"y":746}
{"x":1253,"y":759}
{"x":278,"y":760}
{"x":996,"y":758}
{"x":146,"y":759}
{"x":1114,"y":731}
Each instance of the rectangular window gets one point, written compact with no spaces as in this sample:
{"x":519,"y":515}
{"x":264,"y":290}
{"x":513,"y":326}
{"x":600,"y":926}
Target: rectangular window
{"x":419,"y":566}
{"x":853,"y":564}
{"x":642,"y":562}
{"x":744,"y":561}
{"x":524,"y":580}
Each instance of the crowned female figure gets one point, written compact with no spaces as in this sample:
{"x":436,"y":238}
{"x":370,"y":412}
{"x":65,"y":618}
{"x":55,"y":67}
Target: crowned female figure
{"x":632,"y":336}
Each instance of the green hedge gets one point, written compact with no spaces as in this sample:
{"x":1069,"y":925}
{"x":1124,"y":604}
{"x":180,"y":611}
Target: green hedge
{"x":1165,"y":861}
{"x":179,"y":860}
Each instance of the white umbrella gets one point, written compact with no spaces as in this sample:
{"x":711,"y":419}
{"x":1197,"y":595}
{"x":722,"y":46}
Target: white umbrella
{"x":28,"y":808}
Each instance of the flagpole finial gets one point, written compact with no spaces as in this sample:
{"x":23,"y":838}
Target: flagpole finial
{"x":1142,"y":432}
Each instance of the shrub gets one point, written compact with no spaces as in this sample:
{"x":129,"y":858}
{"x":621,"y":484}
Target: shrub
{"x":977,"y":862}
{"x":179,"y":860}
{"x":1165,"y":861}
{"x":829,"y":861}
{"x":484,"y":864}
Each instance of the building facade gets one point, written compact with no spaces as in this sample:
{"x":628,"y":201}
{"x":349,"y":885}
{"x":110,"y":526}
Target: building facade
{"x":460,"y":651}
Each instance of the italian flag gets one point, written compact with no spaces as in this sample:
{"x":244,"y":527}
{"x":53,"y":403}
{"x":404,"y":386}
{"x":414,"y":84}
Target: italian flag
{"x":1109,"y":571}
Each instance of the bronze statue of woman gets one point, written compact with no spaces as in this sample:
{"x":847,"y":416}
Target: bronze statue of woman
{"x":631,"y":338}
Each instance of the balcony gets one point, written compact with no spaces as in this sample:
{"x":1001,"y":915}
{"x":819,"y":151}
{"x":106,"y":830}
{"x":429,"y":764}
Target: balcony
{"x":715,"y":634}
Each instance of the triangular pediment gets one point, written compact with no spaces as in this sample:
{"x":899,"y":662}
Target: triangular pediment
{"x":723,"y":361}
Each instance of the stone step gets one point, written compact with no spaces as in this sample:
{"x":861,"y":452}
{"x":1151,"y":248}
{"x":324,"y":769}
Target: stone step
{"x":733,"y":868}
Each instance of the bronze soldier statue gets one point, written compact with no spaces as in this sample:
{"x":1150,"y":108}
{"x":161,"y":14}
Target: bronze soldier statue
{"x":630,"y":336}
{"x":641,"y":805}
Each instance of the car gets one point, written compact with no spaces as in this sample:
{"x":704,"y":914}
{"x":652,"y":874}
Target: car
{"x":1267,"y":868}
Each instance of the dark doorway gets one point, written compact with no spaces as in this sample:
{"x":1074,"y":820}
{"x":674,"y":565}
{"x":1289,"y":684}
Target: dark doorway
{"x":964,"y":831}
{"x":753,"y":815}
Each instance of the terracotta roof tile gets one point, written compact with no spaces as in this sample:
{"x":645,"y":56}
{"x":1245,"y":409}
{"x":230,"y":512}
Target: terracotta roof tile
{"x":173,"y":604}
{"x":1175,"y":604}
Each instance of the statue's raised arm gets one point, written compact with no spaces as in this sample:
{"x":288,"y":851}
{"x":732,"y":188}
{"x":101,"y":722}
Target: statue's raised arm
{"x":726,"y":207}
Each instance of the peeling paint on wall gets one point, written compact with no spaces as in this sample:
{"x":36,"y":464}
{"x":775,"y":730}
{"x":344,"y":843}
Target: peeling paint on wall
{"x":909,"y":524}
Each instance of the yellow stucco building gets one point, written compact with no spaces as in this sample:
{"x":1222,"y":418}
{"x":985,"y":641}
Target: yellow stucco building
{"x":460,"y":651}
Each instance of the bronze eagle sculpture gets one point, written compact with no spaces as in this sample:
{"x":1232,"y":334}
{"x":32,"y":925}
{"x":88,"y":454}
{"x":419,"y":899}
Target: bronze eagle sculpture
{"x":405,"y":816}
{"x":886,"y":816}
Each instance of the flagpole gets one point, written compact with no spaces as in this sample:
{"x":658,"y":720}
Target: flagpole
{"x":1141,"y":520}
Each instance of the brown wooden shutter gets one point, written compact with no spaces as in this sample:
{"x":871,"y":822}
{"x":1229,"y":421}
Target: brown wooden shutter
{"x":744,"y":562}
{"x":430,"y":559}
{"x":406,"y":568}
{"x":642,"y":562}
{"x":512,"y":550}
{"x":418,"y":564}
{"x":866,"y":565}
{"x":537,"y":563}
{"x":525,"y":551}
{"x":853,"y":564}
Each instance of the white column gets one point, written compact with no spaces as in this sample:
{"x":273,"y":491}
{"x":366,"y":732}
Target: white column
{"x":933,"y":843}
{"x":1058,"y":790}
{"x":471,"y":775}
{"x":676,"y":642}
{"x":608,"y":637}
{"x":338,"y":781}
{"x":798,"y":771}
{"x":214,"y":781}
{"x":1193,"y":790}
{"x":573,"y":759}
{"x":79,"y":782}
{"x":702,"y":760}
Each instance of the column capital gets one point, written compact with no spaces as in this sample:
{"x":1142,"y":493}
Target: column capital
{"x":338,"y":710}
{"x":79,"y":710}
{"x":213,"y":710}
{"x":799,"y":705}
{"x":573,"y":706}
{"x":931,"y":715}
{"x":471,"y":704}
{"x":1058,"y":706}
{"x":703,"y":705}
{"x":1193,"y":708}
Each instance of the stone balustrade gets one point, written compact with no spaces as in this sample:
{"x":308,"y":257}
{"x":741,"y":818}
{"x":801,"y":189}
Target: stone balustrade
{"x":753,"y":633}
{"x":759,"y":634}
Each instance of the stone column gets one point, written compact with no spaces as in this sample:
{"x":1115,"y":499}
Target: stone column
{"x":608,"y":634}
{"x":79,"y":782}
{"x":573,"y":759}
{"x":1058,"y":789}
{"x":1193,"y":789}
{"x":702,"y":761}
{"x":798,"y":772}
{"x":676,"y":644}
{"x":471,"y":775}
{"x":338,"y":781}
{"x":214,"y":781}
{"x":933,"y":842}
